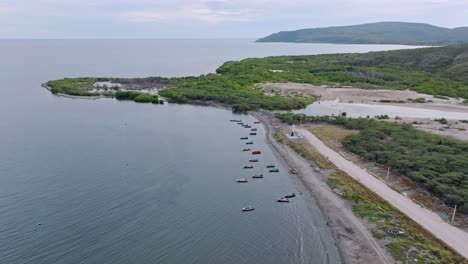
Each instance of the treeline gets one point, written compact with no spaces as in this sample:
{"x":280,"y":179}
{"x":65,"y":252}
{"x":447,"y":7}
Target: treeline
{"x":236,"y":91}
{"x":138,"y":97}
{"x":438,"y":163}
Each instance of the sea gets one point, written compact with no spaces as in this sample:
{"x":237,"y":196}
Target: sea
{"x":102,"y":181}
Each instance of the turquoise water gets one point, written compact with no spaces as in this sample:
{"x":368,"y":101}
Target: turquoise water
{"x":101,"y":181}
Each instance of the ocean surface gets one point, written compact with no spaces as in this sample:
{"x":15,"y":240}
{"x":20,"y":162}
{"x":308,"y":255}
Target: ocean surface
{"x":101,"y":181}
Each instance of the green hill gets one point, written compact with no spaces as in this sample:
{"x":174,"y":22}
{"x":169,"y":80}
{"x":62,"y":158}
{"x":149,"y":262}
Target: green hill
{"x":375,"y":33}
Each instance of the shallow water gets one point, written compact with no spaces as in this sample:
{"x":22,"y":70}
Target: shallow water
{"x":102,"y":181}
{"x":363,"y":110}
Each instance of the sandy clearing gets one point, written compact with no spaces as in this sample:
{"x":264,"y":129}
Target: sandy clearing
{"x":455,"y":238}
{"x":367,"y":96}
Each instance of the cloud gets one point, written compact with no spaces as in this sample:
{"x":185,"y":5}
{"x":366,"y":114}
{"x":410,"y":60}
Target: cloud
{"x":209,"y":12}
{"x":212,"y":18}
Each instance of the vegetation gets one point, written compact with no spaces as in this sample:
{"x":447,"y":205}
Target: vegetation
{"x":376,"y":33}
{"x":415,"y":243}
{"x":438,"y":163}
{"x":438,"y":71}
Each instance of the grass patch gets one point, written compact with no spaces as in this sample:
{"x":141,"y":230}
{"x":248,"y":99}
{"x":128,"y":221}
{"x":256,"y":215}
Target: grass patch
{"x":304,"y":149}
{"x":415,"y":243}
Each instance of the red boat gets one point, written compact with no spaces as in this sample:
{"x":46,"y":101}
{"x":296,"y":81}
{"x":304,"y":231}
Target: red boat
{"x":256,"y":152}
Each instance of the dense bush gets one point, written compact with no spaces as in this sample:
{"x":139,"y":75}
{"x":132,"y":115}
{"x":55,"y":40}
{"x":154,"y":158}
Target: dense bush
{"x":438,"y":163}
{"x":126,"y":95}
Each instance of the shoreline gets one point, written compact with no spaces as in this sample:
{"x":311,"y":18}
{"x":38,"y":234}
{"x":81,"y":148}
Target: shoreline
{"x":44,"y":85}
{"x":353,"y":240}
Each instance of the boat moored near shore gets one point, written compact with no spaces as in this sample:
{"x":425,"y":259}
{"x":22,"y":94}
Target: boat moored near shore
{"x":274,"y":170}
{"x":248,"y":166}
{"x":290,"y":195}
{"x":256,"y":152}
{"x":283,"y":200}
{"x":242,"y":180}
{"x":248,"y":208}
{"x":253,"y":160}
{"x":258,"y":176}
{"x":246,"y":149}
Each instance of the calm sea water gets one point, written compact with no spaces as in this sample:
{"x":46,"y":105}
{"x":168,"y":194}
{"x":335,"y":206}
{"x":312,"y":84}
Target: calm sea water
{"x":101,"y":181}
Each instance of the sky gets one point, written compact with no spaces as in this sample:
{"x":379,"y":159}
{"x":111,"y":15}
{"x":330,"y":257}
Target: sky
{"x":210,"y":18}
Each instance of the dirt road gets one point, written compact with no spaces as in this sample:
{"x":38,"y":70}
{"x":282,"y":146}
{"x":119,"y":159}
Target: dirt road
{"x":455,"y":238}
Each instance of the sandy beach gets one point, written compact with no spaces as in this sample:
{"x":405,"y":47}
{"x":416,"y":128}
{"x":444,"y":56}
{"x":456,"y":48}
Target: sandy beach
{"x":353,"y":239}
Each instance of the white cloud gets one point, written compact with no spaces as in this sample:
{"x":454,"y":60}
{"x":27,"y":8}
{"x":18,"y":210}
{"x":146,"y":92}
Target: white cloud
{"x":208,"y":12}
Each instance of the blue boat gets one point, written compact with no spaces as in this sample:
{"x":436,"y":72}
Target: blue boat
{"x":270,"y":166}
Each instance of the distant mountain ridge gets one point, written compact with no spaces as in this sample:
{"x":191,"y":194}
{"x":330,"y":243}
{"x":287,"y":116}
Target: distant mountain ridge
{"x":375,"y":33}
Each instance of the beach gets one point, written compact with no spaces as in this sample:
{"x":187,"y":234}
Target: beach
{"x":353,"y":239}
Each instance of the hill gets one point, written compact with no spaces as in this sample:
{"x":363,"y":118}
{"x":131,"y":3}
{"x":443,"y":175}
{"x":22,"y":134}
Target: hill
{"x":376,"y":33}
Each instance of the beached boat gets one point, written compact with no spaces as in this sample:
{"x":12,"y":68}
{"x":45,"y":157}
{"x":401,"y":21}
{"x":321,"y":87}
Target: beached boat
{"x":243,"y":138}
{"x":270,"y":166}
{"x":246,"y":149}
{"x":248,"y":166}
{"x":290,"y":195}
{"x":257,"y":122}
{"x":274,"y":170}
{"x":253,"y":134}
{"x":242,"y":180}
{"x":256,"y":152}
{"x":253,"y":160}
{"x":258,"y":176}
{"x":293,"y":171}
{"x":283,"y":200}
{"x":249,"y":143}
{"x":248,"y":208}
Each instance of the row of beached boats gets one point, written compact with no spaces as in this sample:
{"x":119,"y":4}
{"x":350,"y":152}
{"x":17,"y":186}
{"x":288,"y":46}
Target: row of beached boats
{"x":270,"y":167}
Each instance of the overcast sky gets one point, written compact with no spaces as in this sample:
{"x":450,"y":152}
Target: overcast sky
{"x":210,"y":18}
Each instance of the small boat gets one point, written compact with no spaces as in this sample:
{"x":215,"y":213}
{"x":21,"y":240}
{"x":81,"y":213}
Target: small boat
{"x":283,"y":200}
{"x":253,"y":134}
{"x":248,"y":166}
{"x":248,"y":208}
{"x":253,"y":129}
{"x":243,"y":138}
{"x":256,"y":152}
{"x":240,"y":123}
{"x":246,"y":149}
{"x":293,"y":171}
{"x":290,"y":195}
{"x":258,"y":176}
{"x":235,"y":120}
{"x":274,"y":170}
{"x":257,"y":122}
{"x":242,"y":180}
{"x":253,"y":160}
{"x":270,"y":166}
{"x":247,"y":126}
{"x":249,"y":143}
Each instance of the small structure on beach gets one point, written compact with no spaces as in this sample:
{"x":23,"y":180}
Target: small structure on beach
{"x":294,"y":135}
